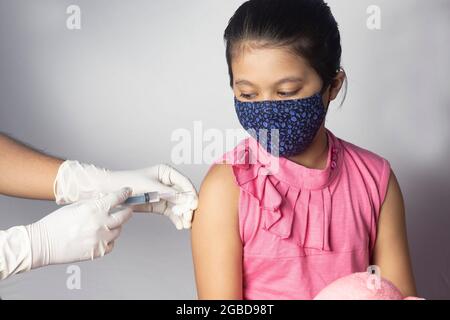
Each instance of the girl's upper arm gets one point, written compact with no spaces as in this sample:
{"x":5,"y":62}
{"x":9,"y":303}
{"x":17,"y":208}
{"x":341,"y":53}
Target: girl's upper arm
{"x":391,"y":251}
{"x":216,"y":243}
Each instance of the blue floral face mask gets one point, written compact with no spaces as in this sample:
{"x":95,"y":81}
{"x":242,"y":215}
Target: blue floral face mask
{"x":283,"y":127}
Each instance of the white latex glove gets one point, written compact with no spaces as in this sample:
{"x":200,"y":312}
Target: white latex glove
{"x":81,"y":231}
{"x":76,"y":181}
{"x":15,"y":252}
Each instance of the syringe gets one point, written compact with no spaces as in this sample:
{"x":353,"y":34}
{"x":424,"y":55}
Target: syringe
{"x":151,"y":197}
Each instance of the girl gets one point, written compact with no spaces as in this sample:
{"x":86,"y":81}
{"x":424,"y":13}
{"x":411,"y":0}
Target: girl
{"x":309,"y":207}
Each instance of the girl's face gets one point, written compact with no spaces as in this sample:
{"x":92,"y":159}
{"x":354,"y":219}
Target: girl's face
{"x":274,"y":74}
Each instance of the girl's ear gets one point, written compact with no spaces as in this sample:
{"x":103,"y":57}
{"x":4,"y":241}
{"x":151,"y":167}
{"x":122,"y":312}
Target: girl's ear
{"x":336,"y":84}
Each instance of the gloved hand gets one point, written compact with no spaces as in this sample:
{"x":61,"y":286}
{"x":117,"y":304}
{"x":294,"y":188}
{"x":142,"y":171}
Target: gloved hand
{"x":81,"y":231}
{"x":76,"y":181}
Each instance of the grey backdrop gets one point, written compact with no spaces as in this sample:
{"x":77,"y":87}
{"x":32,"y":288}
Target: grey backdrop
{"x":113,"y":92}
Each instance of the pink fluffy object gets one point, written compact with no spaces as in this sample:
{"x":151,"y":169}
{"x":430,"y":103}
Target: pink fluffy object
{"x":356,"y":286}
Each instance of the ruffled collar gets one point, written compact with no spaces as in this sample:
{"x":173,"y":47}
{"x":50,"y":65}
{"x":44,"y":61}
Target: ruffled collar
{"x":286,"y":190}
{"x":303,"y":177}
{"x":251,"y":154}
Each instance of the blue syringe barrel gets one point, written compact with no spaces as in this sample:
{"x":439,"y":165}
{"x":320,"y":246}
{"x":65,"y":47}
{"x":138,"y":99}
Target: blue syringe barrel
{"x":147,"y":197}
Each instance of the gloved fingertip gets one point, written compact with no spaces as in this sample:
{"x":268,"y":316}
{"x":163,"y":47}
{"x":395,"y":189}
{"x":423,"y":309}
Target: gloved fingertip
{"x":127,"y":191}
{"x":187,"y":217}
{"x":186,"y":224}
{"x":194,"y":203}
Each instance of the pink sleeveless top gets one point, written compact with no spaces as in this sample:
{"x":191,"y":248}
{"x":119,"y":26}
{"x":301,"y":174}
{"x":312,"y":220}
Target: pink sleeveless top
{"x":302,"y":228}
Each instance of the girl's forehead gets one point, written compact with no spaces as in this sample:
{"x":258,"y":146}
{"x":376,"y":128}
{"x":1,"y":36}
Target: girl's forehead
{"x":260,"y":50}
{"x":270,"y":61}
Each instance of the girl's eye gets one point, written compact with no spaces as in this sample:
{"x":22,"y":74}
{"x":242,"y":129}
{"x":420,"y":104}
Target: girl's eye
{"x":247,"y":96}
{"x":288,"y":94}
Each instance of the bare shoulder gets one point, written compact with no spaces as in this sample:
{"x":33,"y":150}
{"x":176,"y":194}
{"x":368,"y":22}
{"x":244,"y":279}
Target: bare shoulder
{"x":219,"y":194}
{"x":394,"y":199}
{"x":219,"y":174}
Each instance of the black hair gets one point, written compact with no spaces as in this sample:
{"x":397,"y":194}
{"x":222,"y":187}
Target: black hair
{"x":305,"y":26}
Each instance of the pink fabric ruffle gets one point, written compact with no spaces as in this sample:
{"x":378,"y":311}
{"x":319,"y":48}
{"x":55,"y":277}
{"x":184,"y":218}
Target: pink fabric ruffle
{"x":295,"y":201}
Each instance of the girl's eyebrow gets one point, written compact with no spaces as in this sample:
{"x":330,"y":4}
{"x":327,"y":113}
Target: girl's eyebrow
{"x":281,"y":81}
{"x":245,"y":82}
{"x":289,"y":79}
